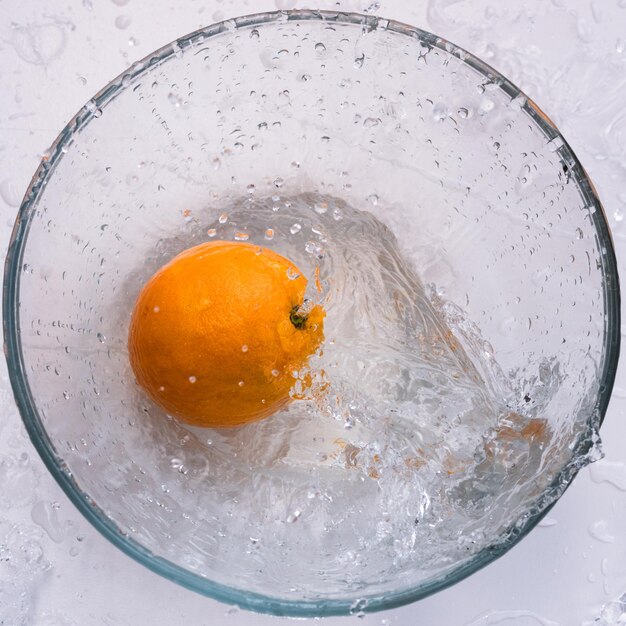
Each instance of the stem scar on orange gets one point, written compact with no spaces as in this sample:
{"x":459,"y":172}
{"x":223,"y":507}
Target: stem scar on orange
{"x":216,"y":333}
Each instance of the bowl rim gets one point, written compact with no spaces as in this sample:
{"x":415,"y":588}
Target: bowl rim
{"x":63,"y":475}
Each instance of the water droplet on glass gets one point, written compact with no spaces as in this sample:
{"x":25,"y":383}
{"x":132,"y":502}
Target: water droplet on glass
{"x":241,"y":236}
{"x":440,"y":112}
{"x":192,"y":379}
{"x":122,"y":22}
{"x":244,"y":348}
{"x":295,"y":229}
{"x":275,"y":373}
{"x":294,"y":517}
{"x":463,"y":113}
{"x":175,"y":100}
{"x":156,"y":309}
{"x":278,"y":182}
{"x":269,"y":233}
{"x":223,"y":218}
{"x":320,"y":48}
{"x":241,"y":383}
{"x":373,"y":199}
{"x":370,"y":122}
{"x":359,"y":61}
{"x":101,"y":338}
{"x":599,"y":530}
{"x":618,"y":215}
{"x":358,"y":607}
{"x":254,"y":34}
{"x":251,"y":188}
{"x":66,"y":395}
{"x":211,"y":232}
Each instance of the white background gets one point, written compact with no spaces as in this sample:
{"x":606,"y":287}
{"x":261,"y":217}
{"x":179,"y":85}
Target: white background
{"x":568,"y":55}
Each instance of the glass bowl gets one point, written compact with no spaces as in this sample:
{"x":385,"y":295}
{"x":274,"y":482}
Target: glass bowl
{"x":351,"y":122}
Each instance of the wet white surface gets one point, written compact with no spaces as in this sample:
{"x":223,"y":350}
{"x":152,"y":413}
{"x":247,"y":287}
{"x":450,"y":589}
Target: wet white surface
{"x":568,"y":55}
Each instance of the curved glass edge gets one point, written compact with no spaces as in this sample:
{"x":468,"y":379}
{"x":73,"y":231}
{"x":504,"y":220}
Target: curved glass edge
{"x":62,"y":474}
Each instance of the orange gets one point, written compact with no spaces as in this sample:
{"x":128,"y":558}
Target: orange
{"x":217,"y":334}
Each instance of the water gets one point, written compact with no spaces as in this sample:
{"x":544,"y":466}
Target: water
{"x":402,"y":441}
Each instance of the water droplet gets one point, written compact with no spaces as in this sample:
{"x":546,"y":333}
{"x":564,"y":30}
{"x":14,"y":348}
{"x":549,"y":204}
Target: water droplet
{"x":440,"y":112}
{"x":320,"y":48}
{"x":44,"y":514}
{"x":370,"y":122}
{"x":251,"y":189}
{"x":292,"y":274}
{"x":244,"y":348}
{"x":372,"y":8}
{"x":599,"y":530}
{"x":269,"y":233}
{"x":547,"y":522}
{"x":223,"y":218}
{"x":320,"y":207}
{"x":101,"y":338}
{"x":74,"y":551}
{"x":175,"y":100}
{"x":10,"y":192}
{"x":254,"y":34}
{"x":275,"y":373}
{"x":211,"y":232}
{"x":294,"y":517}
{"x":192,"y":379}
{"x":358,"y":607}
{"x":359,"y":61}
{"x":337,"y":216}
{"x":464,"y":113}
{"x":618,"y":215}
{"x":156,"y":309}
{"x":241,"y":383}
{"x":373,"y":199}
{"x":241,"y":236}
{"x":612,"y":472}
{"x":278,"y":182}
{"x":486,"y":105}
{"x":161,"y":388}
{"x":66,"y":395}
{"x":295,"y":229}
{"x":122,"y":22}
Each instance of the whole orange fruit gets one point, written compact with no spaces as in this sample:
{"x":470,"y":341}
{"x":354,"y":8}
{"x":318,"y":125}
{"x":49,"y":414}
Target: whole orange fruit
{"x":217,"y":333}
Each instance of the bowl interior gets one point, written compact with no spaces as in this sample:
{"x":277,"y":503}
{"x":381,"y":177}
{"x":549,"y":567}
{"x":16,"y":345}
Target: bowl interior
{"x":347,"y":127}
